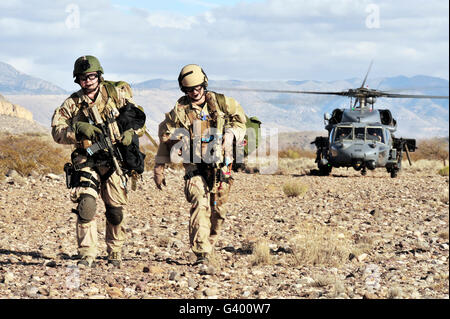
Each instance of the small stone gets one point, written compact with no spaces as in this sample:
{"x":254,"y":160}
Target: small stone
{"x":32,"y":291}
{"x":209,"y":292}
{"x":51,"y":264}
{"x":53,"y":177}
{"x":362,"y":257}
{"x":375,"y":212}
{"x":369,"y":295}
{"x":156,"y":270}
{"x":8,"y":278}
{"x":192,"y":283}
{"x":50,"y":272}
{"x":174,"y":276}
{"x":246,"y":294}
{"x":114,"y":292}
{"x":44,"y":291}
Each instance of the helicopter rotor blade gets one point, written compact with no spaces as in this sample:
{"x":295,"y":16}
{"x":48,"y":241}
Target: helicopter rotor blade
{"x":342,"y":93}
{"x":367,"y":74}
{"x":412,"y":96}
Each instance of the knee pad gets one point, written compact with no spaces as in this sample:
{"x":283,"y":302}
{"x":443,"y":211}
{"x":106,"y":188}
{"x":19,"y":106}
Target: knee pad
{"x":87,"y":207}
{"x":114,"y":215}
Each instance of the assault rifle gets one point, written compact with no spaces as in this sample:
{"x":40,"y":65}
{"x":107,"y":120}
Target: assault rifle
{"x":105,"y":141}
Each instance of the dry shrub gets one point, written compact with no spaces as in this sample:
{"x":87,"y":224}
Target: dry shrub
{"x":431,"y":149}
{"x":261,"y":254}
{"x":294,"y":189}
{"x":296,"y":166}
{"x":323,"y":280}
{"x":29,"y":153}
{"x":423,"y":166}
{"x":443,"y":171}
{"x":296,"y":153}
{"x":317,"y":244}
{"x":395,"y":293}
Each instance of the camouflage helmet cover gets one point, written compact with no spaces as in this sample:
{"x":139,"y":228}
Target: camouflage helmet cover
{"x":86,"y":64}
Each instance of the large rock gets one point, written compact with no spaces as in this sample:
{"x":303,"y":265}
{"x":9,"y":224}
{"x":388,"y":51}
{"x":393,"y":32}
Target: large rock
{"x":14,"y":110}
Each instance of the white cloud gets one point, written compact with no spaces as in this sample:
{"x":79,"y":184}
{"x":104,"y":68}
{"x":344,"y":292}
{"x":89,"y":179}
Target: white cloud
{"x":272,"y":39}
{"x":168,"y":20}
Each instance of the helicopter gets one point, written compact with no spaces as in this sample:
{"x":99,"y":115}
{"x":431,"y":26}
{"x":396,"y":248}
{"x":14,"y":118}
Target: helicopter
{"x":360,"y":137}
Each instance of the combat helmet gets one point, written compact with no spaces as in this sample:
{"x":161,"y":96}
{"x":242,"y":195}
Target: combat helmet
{"x":86,"y":64}
{"x":192,"y":75}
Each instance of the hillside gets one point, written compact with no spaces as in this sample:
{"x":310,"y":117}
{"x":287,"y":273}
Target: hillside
{"x":13,"y":81}
{"x":416,"y":118}
{"x":16,"y":119}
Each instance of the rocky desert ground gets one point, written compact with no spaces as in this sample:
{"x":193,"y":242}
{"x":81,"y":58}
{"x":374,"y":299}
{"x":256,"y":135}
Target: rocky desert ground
{"x":344,"y":236}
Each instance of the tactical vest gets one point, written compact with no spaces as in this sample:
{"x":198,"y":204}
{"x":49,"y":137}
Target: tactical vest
{"x":133,"y":157}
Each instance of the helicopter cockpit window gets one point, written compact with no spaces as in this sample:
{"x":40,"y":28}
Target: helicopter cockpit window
{"x":375,"y":134}
{"x":360,"y":133}
{"x":343,"y":133}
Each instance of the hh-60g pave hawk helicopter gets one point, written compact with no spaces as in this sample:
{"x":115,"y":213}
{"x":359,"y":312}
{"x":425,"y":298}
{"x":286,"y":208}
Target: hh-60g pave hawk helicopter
{"x":360,"y":137}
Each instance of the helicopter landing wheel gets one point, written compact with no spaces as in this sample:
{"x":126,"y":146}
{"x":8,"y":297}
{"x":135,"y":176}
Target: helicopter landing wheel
{"x":394,"y":173}
{"x":364,"y":172}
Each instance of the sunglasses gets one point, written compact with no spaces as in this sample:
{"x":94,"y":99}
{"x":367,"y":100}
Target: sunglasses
{"x":91,"y":77}
{"x":192,"y":89}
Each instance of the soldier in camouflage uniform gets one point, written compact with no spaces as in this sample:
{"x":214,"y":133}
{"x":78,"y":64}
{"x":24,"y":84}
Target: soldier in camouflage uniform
{"x":72,"y":123}
{"x":208,"y":123}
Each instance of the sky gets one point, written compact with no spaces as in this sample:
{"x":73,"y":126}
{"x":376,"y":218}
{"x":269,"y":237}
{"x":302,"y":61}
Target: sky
{"x":139,"y":40}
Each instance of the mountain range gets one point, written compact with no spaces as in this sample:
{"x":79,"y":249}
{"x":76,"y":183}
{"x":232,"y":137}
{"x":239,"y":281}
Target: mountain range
{"x":416,"y":118}
{"x":13,"y":81}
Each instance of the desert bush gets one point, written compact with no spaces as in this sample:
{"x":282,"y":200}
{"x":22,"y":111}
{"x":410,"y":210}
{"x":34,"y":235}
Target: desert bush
{"x":318,"y":244}
{"x":443,"y":171}
{"x":29,"y":153}
{"x":261,"y":254}
{"x":294,"y":189}
{"x":422,"y":165}
{"x":431,"y":149}
{"x":296,"y":153}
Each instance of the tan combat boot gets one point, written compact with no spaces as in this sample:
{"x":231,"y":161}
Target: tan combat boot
{"x":115,"y":259}
{"x":86,"y":261}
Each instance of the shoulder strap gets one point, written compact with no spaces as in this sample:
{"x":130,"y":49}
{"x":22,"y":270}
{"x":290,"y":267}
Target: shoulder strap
{"x":111,"y":90}
{"x":75,"y":98}
{"x":220,"y":101}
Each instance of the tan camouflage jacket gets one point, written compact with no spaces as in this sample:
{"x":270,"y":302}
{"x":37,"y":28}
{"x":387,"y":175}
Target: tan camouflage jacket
{"x":179,"y":117}
{"x":69,"y":112}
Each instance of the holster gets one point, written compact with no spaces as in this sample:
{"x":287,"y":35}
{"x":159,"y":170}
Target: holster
{"x":73,"y":178}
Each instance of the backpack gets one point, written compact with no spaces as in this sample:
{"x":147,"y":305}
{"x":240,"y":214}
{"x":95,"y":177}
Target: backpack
{"x":252,"y":123}
{"x":131,"y":116}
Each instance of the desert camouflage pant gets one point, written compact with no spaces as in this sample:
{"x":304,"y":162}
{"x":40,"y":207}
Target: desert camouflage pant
{"x":207,"y":213}
{"x":114,"y":195}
